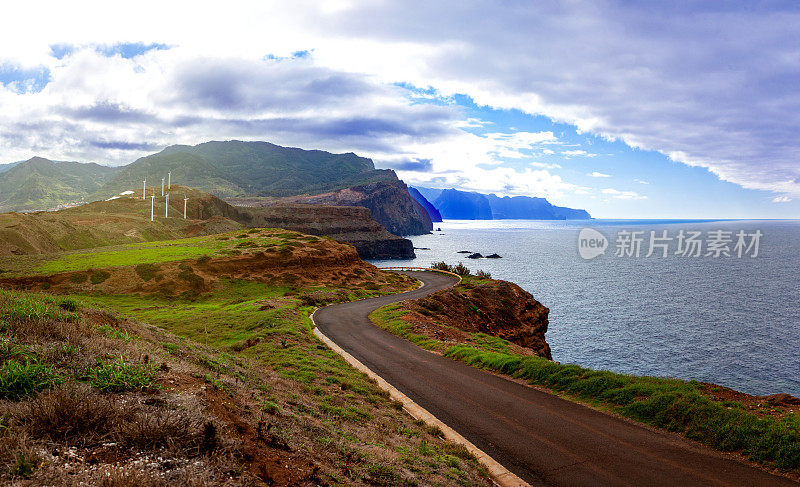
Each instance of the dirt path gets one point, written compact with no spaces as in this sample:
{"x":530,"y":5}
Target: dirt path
{"x":540,"y":437}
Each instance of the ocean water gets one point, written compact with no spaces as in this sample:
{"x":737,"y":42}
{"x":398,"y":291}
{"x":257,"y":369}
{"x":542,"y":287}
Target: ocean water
{"x":728,"y":320}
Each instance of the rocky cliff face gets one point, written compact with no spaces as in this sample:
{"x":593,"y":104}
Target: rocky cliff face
{"x":463,"y":205}
{"x":353,"y":225}
{"x":498,"y":308}
{"x":431,"y":210}
{"x":388,"y":201}
{"x":350,"y":224}
{"x":467,"y":205}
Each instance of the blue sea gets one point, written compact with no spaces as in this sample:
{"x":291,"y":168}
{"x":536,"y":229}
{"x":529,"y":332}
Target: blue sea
{"x":731,"y":320}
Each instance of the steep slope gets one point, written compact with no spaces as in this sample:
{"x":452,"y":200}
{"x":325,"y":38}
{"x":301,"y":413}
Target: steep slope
{"x":462,"y":205}
{"x":430,"y":194}
{"x":189,"y":169}
{"x":39,"y":184}
{"x":431,"y":210}
{"x":497,"y":308}
{"x":233,"y":168}
{"x":390,"y":203}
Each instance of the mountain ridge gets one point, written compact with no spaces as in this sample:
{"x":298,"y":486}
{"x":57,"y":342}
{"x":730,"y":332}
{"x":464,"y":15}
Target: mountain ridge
{"x":468,"y":205}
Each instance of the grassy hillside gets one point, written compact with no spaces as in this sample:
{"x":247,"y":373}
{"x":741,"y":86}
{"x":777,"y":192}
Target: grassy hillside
{"x":123,"y":220}
{"x":234,"y":168}
{"x":189,"y":169}
{"x":228,"y":386}
{"x":39,"y":184}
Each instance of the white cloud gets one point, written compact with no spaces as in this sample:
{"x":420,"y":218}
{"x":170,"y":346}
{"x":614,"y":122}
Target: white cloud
{"x":577,"y":152}
{"x":698,"y":86}
{"x":623,"y":195}
{"x":596,"y":174}
{"x":781,"y":199}
{"x":544,"y":165}
{"x":641,"y":181}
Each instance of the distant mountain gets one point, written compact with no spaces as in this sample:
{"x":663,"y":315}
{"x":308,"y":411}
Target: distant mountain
{"x":231,"y":169}
{"x":236,"y":168}
{"x":463,"y":205}
{"x":6,"y":167}
{"x":431,"y":210}
{"x":429,"y":194}
{"x":39,"y":184}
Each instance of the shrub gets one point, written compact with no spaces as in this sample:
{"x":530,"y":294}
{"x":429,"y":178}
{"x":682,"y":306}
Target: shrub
{"x":461,"y":269}
{"x":78,"y":277}
{"x":146,"y":271}
{"x":122,"y":376}
{"x":20,"y":379}
{"x":167,"y":428}
{"x":483,"y":275}
{"x":99,"y":276}
{"x":69,"y":304}
{"x":71,"y":411}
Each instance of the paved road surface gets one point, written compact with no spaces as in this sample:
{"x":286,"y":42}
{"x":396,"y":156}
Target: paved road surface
{"x":543,"y":439}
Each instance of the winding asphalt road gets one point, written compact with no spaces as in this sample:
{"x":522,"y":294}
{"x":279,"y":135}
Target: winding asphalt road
{"x":542,"y":438}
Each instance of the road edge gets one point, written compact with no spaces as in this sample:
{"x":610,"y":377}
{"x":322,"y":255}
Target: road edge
{"x":500,"y":475}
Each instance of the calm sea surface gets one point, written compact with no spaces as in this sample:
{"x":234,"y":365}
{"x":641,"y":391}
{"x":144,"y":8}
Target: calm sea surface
{"x":728,"y":320}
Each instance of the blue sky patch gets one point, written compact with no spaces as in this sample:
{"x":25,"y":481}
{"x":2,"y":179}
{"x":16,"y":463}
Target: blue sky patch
{"x":24,"y":80}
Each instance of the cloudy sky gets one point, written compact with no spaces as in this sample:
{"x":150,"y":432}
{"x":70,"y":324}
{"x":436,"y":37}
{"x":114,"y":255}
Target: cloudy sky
{"x":628,"y":109}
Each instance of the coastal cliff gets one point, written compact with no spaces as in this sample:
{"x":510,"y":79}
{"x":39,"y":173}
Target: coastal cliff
{"x":493,"y":307}
{"x":431,"y":210}
{"x":350,"y":224}
{"x":454,"y":204}
{"x":389,"y":202}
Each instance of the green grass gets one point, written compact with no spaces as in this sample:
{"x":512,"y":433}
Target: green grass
{"x":335,"y":407}
{"x":672,"y":404}
{"x":146,"y":255}
{"x":121,"y":376}
{"x":21,"y":306}
{"x":231,"y":319}
{"x":21,"y":379}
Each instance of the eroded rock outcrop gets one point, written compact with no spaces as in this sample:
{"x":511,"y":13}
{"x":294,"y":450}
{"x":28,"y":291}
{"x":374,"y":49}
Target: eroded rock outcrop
{"x":494,"y":307}
{"x":389,"y":202}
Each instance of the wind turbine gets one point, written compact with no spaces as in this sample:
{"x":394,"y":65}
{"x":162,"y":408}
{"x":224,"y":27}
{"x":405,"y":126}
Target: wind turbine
{"x":184,"y":206}
{"x":152,"y":205}
{"x":169,"y":180}
{"x":166,"y":208}
{"x":162,"y":186}
{"x":144,"y":187}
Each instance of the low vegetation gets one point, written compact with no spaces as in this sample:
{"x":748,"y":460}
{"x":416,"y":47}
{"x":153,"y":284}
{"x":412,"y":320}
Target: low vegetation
{"x":146,"y":256}
{"x":770,"y":437}
{"x":229,"y":386}
{"x":460,"y":269}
